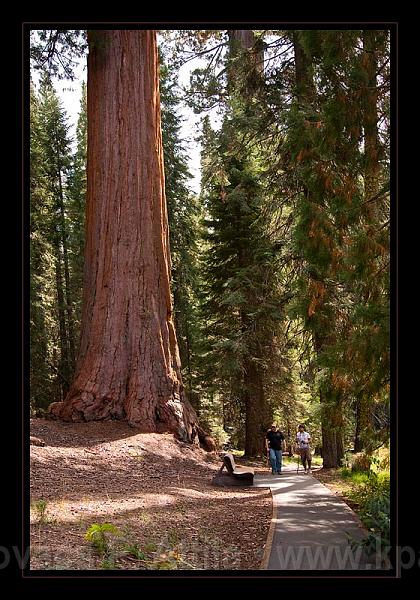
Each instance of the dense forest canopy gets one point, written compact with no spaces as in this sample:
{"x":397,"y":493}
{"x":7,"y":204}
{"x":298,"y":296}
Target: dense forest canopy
{"x":279,"y":268}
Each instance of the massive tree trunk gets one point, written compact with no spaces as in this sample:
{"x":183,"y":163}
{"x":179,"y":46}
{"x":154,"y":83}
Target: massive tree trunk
{"x":128,"y":364}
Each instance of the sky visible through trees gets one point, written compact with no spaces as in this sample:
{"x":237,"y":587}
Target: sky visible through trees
{"x":70,"y":94}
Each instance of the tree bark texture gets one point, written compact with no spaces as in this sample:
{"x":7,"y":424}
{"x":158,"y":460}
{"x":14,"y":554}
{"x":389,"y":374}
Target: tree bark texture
{"x":128,"y":364}
{"x":332,"y":420}
{"x":364,"y":423}
{"x":256,"y":419}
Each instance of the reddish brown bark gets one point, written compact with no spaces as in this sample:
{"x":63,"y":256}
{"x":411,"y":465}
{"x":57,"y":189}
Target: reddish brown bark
{"x":128,"y":365}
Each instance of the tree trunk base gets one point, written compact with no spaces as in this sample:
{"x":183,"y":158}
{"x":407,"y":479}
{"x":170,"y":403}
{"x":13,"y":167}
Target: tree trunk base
{"x":175,"y":417}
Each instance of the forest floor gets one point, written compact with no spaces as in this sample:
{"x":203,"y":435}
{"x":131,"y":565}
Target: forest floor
{"x":155,"y":491}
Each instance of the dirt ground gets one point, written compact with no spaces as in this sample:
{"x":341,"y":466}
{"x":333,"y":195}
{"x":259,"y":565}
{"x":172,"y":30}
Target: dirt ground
{"x":154,"y":490}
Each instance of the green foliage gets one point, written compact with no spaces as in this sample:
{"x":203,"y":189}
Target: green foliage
{"x":361,"y":463}
{"x":342,"y":287}
{"x":40,"y":507}
{"x":134,"y":550}
{"x":76,"y":210}
{"x":372,"y":494}
{"x":52,"y":327}
{"x":98,"y":534}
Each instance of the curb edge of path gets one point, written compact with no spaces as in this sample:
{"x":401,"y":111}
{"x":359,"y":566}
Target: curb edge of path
{"x":270,"y":536}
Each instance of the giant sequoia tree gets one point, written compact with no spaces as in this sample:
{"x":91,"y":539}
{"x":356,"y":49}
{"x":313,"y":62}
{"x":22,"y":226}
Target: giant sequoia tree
{"x":128,"y":363}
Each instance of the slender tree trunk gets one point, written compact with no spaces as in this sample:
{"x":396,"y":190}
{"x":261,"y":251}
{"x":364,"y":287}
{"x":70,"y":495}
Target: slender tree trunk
{"x":305,"y":88}
{"x":256,"y":417}
{"x":68,"y":297}
{"x":358,"y":443}
{"x":245,"y":70}
{"x":332,"y":420}
{"x":128,"y":365}
{"x":332,"y":425}
{"x":64,"y":356}
{"x":371,"y":187}
{"x":364,"y":424}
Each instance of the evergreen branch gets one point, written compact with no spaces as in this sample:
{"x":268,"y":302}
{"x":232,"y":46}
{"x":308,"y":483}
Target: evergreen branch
{"x":381,"y":193}
{"x":196,"y":55}
{"x":382,"y":67}
{"x":277,"y":55}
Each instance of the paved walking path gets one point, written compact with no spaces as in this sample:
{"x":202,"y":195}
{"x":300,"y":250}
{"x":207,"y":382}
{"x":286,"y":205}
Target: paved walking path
{"x":309,"y":526}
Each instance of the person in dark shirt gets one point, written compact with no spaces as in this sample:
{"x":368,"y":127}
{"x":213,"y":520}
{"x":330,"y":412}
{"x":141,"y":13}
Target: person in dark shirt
{"x":273,"y":443}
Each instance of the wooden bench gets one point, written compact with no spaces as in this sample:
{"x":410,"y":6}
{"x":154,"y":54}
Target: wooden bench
{"x":238,"y":475}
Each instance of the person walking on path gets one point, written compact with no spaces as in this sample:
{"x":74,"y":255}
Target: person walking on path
{"x":302,"y":439}
{"x":273,"y":444}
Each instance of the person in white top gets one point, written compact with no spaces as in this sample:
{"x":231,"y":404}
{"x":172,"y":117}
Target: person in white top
{"x":303,"y":439}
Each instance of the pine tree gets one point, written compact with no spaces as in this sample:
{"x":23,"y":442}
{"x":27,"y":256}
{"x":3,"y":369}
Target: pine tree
{"x":44,"y":385}
{"x":77,"y":190}
{"x":242,"y":305}
{"x":56,"y":143}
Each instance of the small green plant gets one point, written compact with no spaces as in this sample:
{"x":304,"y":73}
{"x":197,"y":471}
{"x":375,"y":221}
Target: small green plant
{"x":108,"y":564}
{"x":135,"y":551}
{"x":150,"y":547}
{"x":97,"y":534}
{"x":40,"y":507}
{"x":355,"y":477}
